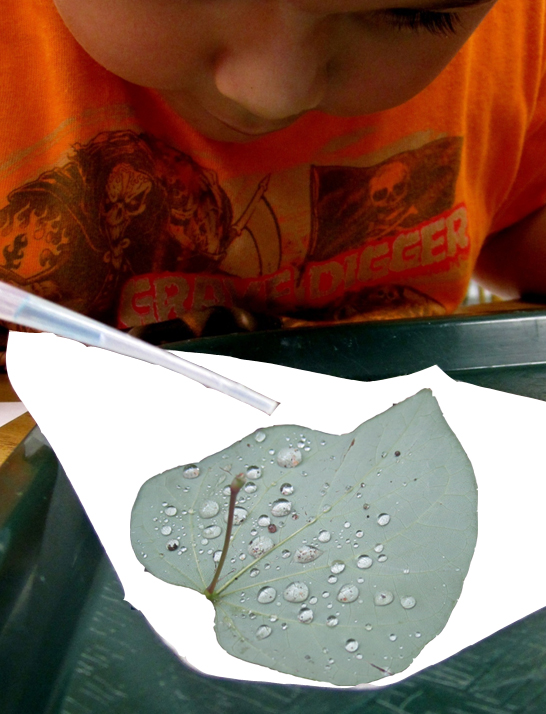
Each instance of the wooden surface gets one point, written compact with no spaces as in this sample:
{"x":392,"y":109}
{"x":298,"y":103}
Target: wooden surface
{"x":14,"y":432}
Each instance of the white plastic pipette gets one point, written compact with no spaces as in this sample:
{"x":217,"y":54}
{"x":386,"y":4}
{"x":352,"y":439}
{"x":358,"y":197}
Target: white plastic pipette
{"x":23,"y":308}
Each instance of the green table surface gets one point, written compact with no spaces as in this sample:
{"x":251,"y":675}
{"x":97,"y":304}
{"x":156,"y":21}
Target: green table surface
{"x":69,"y":643}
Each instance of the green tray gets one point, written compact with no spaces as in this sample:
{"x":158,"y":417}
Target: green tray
{"x":70,"y":644}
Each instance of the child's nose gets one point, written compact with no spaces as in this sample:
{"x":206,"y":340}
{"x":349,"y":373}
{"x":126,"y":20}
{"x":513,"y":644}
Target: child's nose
{"x":280,"y":71}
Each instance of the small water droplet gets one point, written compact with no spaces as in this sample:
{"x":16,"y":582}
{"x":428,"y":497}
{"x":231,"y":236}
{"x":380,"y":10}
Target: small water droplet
{"x":359,"y":534}
{"x":348,"y":593}
{"x":212,"y":532}
{"x":259,"y":436}
{"x":346,"y":524}
{"x":313,"y":600}
{"x":166,"y":530}
{"x":289,"y":457}
{"x":171,"y":511}
{"x":332,"y":579}
{"x":296,"y":592}
{"x":272,"y":528}
{"x":306,"y":554}
{"x":266,"y":595}
{"x":250,"y":487}
{"x":216,"y":556}
{"x":263,"y":631}
{"x":254,"y":472}
{"x":393,"y":638}
{"x":259,"y":546}
{"x":332,"y":621}
{"x":209,"y":509}
{"x":384,"y":597}
{"x":383,"y":454}
{"x":191,"y":471}
{"x":364,"y":561}
{"x":264,"y":521}
{"x":417,"y":634}
{"x":254,"y":572}
{"x":285,"y":554}
{"x":281,"y":507}
{"x":287,"y":489}
{"x":337,"y":567}
{"x":382,"y":558}
{"x":383,"y":519}
{"x":172,"y":544}
{"x":407,"y":602}
{"x":351,"y":645}
{"x":324,"y":536}
{"x":305,"y":615}
{"x":379,"y":548}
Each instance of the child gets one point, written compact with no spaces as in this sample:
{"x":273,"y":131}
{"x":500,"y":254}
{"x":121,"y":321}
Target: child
{"x":235,"y":164}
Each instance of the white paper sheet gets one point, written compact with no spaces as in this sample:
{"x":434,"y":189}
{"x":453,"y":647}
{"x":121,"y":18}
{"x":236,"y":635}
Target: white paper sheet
{"x":115,"y":422}
{"x":10,"y":411}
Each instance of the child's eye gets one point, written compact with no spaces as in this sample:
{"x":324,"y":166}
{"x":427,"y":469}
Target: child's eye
{"x":438,"y":23}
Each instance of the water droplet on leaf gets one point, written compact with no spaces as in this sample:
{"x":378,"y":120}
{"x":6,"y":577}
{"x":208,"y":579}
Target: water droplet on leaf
{"x":348,"y":593}
{"x":289,"y":457}
{"x":338,"y":566}
{"x":306,"y":554}
{"x":191,"y":471}
{"x":259,"y":546}
{"x":166,"y":530}
{"x":212,"y":531}
{"x":305,"y":615}
{"x":266,"y":595}
{"x":259,"y":436}
{"x":324,"y":536}
{"x":281,"y":507}
{"x":296,"y":592}
{"x":209,"y":509}
{"x":364,"y":562}
{"x":407,"y":602}
{"x":351,"y":645}
{"x":383,"y":519}
{"x":262,"y":632}
{"x":287,"y":489}
{"x":171,"y":511}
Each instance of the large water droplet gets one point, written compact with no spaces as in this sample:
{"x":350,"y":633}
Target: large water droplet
{"x":209,"y":509}
{"x":351,"y":645}
{"x":306,"y":554}
{"x":171,"y":511}
{"x":264,"y":521}
{"x":266,"y":595}
{"x":259,"y":436}
{"x":281,"y":507}
{"x":166,"y":530}
{"x":289,"y":457}
{"x":239,"y":515}
{"x":384,"y":597}
{"x":262,"y":632}
{"x":212,"y":532}
{"x":332,"y":621}
{"x":259,"y":546}
{"x":254,"y":472}
{"x":191,"y":471}
{"x":324,"y":536}
{"x":383,"y":519}
{"x":287,"y":489}
{"x":296,"y":592}
{"x":348,"y":593}
{"x":407,"y":602}
{"x":337,"y":567}
{"x":305,"y":615}
{"x":364,"y":561}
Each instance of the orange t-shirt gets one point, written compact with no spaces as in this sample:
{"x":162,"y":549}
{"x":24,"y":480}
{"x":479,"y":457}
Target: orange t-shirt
{"x":112,"y":205}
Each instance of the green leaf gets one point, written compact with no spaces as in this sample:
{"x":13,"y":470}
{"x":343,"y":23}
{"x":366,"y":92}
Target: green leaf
{"x":348,"y":552}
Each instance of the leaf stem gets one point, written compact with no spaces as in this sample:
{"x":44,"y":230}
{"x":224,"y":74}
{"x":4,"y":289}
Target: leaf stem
{"x":235,"y":487}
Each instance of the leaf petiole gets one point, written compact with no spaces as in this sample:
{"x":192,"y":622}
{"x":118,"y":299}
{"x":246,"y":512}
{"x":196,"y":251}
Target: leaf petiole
{"x":235,"y":486}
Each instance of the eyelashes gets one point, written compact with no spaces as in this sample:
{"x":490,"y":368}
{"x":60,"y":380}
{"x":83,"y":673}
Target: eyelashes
{"x":437,"y":23}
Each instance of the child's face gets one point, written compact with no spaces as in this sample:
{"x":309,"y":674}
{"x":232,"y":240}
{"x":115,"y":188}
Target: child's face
{"x":238,"y":69}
